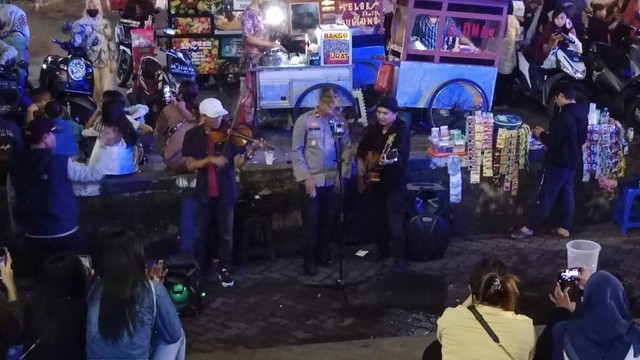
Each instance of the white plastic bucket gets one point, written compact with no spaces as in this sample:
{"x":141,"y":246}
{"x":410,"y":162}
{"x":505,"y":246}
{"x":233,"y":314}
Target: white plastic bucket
{"x":583,"y":253}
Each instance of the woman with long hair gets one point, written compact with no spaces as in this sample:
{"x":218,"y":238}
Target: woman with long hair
{"x":552,"y":35}
{"x":126,"y":311}
{"x":55,"y":316}
{"x":116,"y":147}
{"x":494,"y":295}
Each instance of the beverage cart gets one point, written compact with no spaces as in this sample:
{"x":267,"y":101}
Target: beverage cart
{"x":214,"y":27}
{"x":444,"y":56}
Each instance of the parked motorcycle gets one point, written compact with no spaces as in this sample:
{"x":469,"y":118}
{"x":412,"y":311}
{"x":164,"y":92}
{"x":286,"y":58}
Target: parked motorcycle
{"x":11,"y":90}
{"x":616,"y":78}
{"x":69,"y":78}
{"x":124,"y":68}
{"x":155,"y":85}
{"x":536,"y":82}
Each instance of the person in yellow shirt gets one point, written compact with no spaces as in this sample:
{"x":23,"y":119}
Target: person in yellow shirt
{"x":494,"y":295}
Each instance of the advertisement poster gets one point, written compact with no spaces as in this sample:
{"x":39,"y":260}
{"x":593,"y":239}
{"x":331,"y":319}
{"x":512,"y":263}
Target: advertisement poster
{"x":228,"y":21}
{"x":192,"y":25}
{"x":336,"y":47}
{"x":190,"y":7}
{"x":357,"y":13}
{"x":231,"y":47}
{"x":206,"y":58}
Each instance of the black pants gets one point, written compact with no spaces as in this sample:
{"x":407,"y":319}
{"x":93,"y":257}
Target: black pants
{"x":504,"y":84}
{"x":385,"y":214}
{"x":318,"y":217}
{"x":214,"y":233}
{"x":557,"y":183}
{"x":41,"y":249}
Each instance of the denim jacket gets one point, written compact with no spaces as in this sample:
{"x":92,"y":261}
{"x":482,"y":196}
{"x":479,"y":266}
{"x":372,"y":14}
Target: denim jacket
{"x":165,"y":326}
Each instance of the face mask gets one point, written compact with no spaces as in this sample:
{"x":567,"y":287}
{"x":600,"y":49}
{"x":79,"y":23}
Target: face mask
{"x":93,"y":12}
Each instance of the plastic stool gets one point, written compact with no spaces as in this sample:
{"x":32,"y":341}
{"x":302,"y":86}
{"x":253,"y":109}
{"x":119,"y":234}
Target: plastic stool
{"x":265,"y":230}
{"x":625,"y":213}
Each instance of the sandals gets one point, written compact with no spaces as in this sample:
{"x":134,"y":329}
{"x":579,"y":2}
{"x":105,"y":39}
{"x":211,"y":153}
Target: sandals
{"x":521,"y":234}
{"x":557,"y":234}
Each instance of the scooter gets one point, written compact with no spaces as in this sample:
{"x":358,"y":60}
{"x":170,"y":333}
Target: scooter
{"x":536,"y":82}
{"x":615,"y":75}
{"x":11,"y":90}
{"x":124,"y":68}
{"x":69,"y":78}
{"x":155,"y":85}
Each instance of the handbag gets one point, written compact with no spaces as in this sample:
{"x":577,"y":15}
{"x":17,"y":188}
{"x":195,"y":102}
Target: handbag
{"x":488,"y":329}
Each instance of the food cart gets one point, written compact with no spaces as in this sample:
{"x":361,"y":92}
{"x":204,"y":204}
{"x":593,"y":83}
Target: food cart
{"x":214,"y":26}
{"x":446,"y":54}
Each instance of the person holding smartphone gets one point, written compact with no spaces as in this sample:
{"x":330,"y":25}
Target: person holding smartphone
{"x":10,"y":308}
{"x":603,"y":329}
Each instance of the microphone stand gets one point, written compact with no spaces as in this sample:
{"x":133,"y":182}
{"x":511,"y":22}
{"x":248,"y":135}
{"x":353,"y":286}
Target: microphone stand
{"x":340,"y":283}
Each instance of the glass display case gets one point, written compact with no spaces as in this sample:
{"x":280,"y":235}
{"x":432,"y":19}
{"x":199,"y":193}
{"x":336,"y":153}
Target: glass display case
{"x":449,"y":31}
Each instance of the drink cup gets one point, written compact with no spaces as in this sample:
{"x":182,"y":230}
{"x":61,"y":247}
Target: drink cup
{"x":269,"y":157}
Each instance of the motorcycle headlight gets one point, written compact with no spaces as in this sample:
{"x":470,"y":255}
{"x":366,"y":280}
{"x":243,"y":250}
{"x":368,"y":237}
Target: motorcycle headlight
{"x":76,"y":69}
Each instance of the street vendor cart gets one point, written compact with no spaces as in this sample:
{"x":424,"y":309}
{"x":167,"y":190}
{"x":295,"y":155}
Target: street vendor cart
{"x":295,"y":84}
{"x":446,"y":54}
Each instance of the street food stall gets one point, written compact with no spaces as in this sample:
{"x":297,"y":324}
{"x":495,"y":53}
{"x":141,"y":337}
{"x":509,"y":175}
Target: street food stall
{"x":449,"y":51}
{"x":293,"y":83}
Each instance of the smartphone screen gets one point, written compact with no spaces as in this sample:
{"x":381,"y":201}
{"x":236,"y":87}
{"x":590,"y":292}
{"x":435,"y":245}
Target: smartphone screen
{"x":86,"y":261}
{"x":567,"y":277}
{"x":3,"y":256}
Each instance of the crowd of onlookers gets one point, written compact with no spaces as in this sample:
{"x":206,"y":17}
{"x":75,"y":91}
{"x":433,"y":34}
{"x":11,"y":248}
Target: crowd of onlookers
{"x":114,"y":308}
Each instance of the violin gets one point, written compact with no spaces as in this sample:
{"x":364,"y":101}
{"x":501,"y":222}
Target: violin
{"x":239,"y":135}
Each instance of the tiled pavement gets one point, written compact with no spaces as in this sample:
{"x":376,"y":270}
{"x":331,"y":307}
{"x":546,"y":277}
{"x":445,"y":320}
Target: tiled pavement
{"x":274,"y":305}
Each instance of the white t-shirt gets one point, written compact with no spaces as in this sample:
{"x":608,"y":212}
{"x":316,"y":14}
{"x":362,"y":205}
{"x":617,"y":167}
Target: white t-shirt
{"x":117,"y":159}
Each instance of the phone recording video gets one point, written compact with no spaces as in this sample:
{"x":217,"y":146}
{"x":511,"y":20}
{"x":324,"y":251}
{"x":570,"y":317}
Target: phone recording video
{"x":3,"y":257}
{"x":86,"y":261}
{"x":567,"y":277}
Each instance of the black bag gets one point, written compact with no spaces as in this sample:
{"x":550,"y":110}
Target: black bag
{"x":428,"y":237}
{"x":183,"y":284}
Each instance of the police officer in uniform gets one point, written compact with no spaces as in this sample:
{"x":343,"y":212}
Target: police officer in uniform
{"x":315,"y":167}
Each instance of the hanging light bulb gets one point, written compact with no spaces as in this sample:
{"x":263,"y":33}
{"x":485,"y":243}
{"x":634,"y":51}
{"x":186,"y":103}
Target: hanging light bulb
{"x":274,"y":15}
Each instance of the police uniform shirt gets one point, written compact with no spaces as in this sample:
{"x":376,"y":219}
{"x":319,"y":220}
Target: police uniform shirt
{"x":314,"y":150}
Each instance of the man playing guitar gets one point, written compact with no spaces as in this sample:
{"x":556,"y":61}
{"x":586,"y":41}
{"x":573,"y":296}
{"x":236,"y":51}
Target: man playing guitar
{"x":382,"y":177}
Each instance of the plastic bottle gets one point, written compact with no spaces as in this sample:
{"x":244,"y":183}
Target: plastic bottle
{"x":604,"y":117}
{"x":455,"y":180}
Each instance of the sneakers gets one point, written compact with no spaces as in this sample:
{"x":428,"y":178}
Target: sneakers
{"x":226,"y":280}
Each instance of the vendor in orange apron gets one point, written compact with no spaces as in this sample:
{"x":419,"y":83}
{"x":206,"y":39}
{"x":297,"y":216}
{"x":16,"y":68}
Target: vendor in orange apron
{"x":255,"y":42}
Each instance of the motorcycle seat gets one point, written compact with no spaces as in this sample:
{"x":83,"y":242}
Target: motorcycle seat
{"x":613,"y":57}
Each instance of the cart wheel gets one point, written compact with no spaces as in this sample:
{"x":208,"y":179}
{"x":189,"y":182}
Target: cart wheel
{"x":453,"y":101}
{"x":341,"y":91}
{"x":364,"y":66}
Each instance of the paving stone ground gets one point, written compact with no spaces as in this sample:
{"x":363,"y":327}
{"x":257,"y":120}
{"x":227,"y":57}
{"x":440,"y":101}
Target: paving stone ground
{"x":273,"y":304}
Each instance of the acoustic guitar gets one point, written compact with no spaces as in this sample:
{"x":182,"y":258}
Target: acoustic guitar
{"x":372,"y":165}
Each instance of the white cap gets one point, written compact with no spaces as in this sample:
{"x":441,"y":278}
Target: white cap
{"x":212,"y":108}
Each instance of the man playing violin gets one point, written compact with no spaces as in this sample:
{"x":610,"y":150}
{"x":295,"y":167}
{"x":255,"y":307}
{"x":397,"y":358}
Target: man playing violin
{"x":215,"y":158}
{"x":384,"y":148}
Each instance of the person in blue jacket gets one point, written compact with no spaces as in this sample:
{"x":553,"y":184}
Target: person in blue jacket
{"x":47,"y":203}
